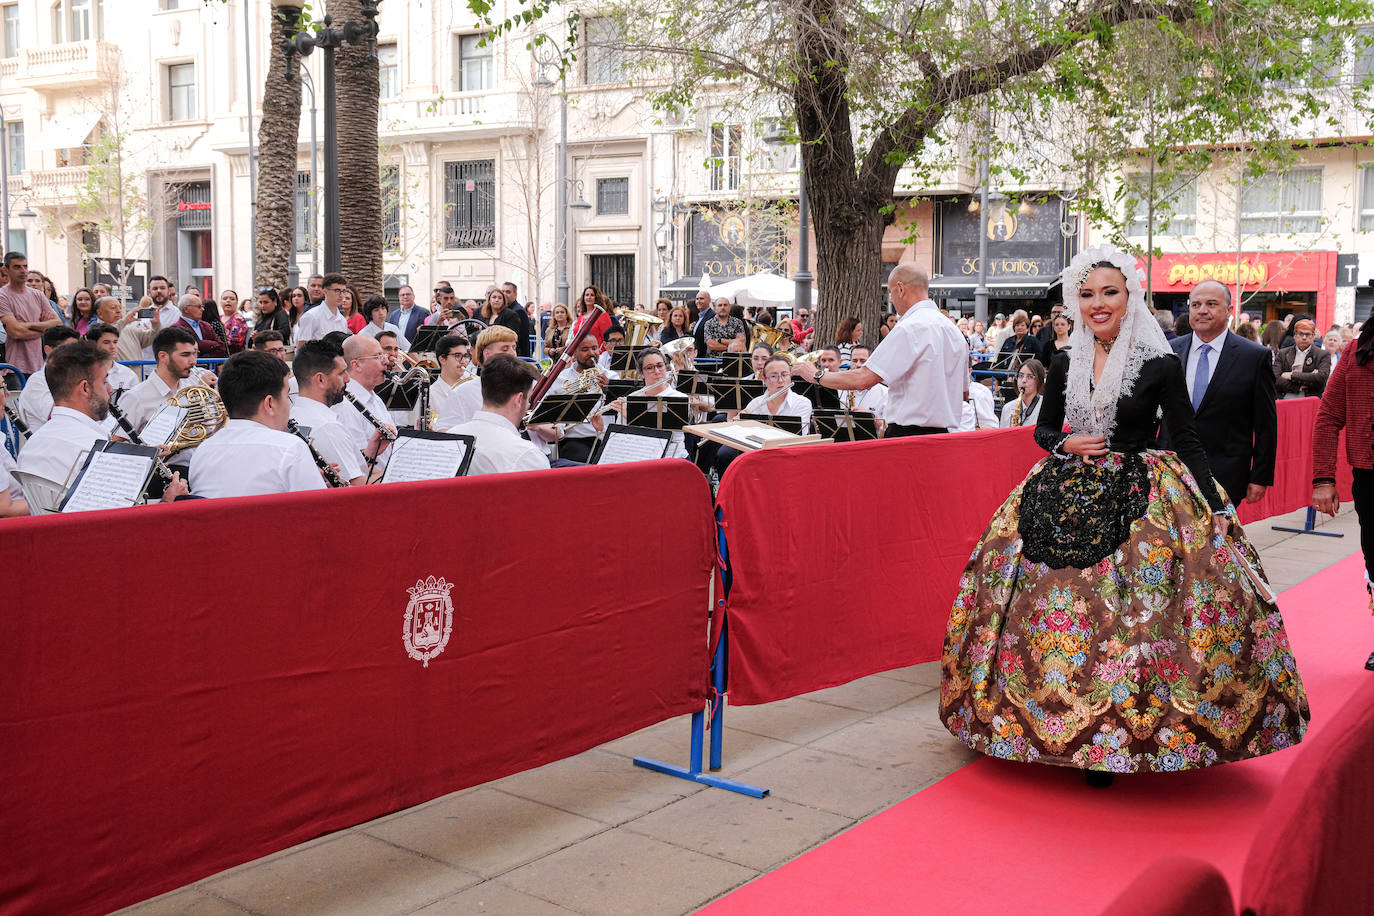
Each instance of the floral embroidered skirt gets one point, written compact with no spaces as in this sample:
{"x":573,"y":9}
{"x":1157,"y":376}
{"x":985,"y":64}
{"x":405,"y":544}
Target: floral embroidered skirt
{"x":1160,"y":656}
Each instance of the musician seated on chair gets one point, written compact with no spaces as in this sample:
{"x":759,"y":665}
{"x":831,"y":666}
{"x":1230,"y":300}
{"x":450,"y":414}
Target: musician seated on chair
{"x":466,"y":400}
{"x":872,"y":400}
{"x":778,"y":400}
{"x":364,"y":357}
{"x":653,"y":369}
{"x":81,"y":402}
{"x":391,"y":350}
{"x":253,"y":454}
{"x":498,"y":449}
{"x":35,"y":401}
{"x":106,"y":337}
{"x":758,"y":358}
{"x":321,"y":374}
{"x":454,"y":355}
{"x":176,"y":351}
{"x":615,"y":337}
{"x":575,"y":442}
{"x":12,"y":502}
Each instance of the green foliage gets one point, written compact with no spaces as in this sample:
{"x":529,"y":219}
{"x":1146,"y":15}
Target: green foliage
{"x":112,"y":199}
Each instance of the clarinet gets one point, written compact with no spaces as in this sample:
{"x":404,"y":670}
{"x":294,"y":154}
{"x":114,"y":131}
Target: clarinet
{"x":382,"y":428}
{"x":16,"y":420}
{"x":331,"y":476}
{"x":132,"y":435}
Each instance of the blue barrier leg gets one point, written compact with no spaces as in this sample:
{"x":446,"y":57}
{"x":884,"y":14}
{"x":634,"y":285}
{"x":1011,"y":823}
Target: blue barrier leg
{"x":693,"y":772}
{"x":1310,"y":527}
{"x":718,"y":682}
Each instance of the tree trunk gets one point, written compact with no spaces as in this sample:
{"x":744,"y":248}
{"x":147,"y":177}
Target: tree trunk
{"x":277,"y":147}
{"x":358,"y":89}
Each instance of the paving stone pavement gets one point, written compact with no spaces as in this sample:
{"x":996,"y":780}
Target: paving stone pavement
{"x":594,"y":834}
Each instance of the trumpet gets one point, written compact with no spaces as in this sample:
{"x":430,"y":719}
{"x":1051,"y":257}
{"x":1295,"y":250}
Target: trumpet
{"x":385,"y":429}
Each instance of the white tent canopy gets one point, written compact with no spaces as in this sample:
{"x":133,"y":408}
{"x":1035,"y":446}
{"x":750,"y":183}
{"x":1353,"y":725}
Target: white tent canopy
{"x":762,"y":289}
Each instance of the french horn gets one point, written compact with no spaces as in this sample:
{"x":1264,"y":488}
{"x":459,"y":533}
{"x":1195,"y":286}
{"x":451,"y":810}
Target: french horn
{"x":205,"y":416}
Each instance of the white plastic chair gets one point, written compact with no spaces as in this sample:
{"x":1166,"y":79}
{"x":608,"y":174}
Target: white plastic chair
{"x":42,"y":495}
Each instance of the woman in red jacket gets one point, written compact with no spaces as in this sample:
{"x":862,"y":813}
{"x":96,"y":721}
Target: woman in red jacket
{"x":1348,"y":403}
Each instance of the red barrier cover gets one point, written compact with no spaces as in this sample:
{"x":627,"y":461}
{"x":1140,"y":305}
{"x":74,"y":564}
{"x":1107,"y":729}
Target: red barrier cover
{"x":846,"y":557}
{"x":189,"y":687}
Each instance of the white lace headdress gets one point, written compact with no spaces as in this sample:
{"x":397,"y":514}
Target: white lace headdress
{"x":1092,"y":409}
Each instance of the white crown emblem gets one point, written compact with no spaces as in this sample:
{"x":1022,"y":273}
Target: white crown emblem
{"x":429,"y":619}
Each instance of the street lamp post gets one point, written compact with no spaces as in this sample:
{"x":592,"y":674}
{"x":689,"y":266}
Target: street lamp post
{"x":562,"y":289}
{"x":329,"y":38}
{"x":802,"y":278}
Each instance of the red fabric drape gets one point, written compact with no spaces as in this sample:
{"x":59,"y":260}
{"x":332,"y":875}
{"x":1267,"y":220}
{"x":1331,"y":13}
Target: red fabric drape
{"x":188,"y":687}
{"x":846,"y":557}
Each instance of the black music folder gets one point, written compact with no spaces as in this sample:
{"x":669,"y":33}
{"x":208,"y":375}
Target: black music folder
{"x":621,"y":387}
{"x":427,"y":338}
{"x":820,"y":398}
{"x":692,"y":383}
{"x":419,"y":454}
{"x":624,"y":357}
{"x":845,"y":427}
{"x":565,"y":408}
{"x":115,"y":475}
{"x":734,"y":394}
{"x":627,"y":443}
{"x":737,"y":365}
{"x":646,"y":412}
{"x":781,"y":421}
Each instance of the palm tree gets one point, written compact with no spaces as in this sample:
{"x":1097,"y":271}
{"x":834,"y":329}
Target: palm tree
{"x":277,"y":147}
{"x":360,"y":202}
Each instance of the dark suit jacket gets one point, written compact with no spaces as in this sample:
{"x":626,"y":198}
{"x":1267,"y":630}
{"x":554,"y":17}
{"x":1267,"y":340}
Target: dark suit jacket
{"x":1309,"y":379}
{"x":414,"y":321}
{"x":1237,"y":420}
{"x":210,"y":347}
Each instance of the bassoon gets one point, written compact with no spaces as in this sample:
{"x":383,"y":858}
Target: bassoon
{"x":542,"y":386}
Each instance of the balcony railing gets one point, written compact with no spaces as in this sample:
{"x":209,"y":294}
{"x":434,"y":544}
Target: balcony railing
{"x":73,"y":63}
{"x":54,"y":187}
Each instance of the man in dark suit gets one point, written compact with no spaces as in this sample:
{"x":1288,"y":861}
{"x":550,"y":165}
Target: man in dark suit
{"x":1231,"y":383}
{"x":208,"y":343}
{"x":409,"y":317}
{"x":1303,"y":368}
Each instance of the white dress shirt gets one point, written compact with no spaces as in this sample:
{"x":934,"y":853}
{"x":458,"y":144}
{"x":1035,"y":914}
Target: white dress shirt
{"x":328,"y":435}
{"x":1216,"y":344}
{"x":318,"y":322}
{"x":498,"y":448}
{"x":7,"y":480}
{"x":924,"y":361}
{"x":140,"y":402}
{"x":35,"y":401}
{"x":460,"y":404}
{"x":246,"y":458}
{"x":359,"y":429}
{"x":1028,"y":415}
{"x":371,"y":330}
{"x":121,"y":377}
{"x":441,"y":391}
{"x":873,"y":400}
{"x":978,"y":412}
{"x":54,"y":452}
{"x":567,"y":378}
{"x":793,"y":405}
{"x":677,"y":445}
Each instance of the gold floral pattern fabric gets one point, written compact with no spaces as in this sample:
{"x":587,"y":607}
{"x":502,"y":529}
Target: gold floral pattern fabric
{"x":1160,"y":656}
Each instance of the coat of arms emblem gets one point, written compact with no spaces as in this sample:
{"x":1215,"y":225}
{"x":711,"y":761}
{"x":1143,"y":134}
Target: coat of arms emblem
{"x":429,"y":619}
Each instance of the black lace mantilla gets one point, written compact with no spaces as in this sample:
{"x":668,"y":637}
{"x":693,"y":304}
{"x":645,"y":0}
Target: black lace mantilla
{"x":1075,"y":514}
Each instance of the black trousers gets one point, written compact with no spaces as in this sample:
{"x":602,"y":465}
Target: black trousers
{"x":900,"y":430}
{"x":1363,"y":492}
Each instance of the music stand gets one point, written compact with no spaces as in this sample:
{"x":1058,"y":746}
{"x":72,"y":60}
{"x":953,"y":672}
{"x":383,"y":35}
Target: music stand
{"x":706,"y":366}
{"x":624,"y":357}
{"x":621,"y":387}
{"x":565,"y":408}
{"x":820,"y":398}
{"x":107,"y":487}
{"x":692,"y":384}
{"x":736,"y":365}
{"x":400,"y":397}
{"x":625,"y":443}
{"x":428,"y":336}
{"x":781,"y":421}
{"x":421,"y":454}
{"x":734,"y":394}
{"x":645,"y":412}
{"x":845,"y":427}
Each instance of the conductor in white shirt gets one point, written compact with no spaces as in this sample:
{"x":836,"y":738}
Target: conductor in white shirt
{"x":321,"y":374}
{"x":318,"y":322}
{"x":253,"y":454}
{"x":923,"y":361}
{"x":506,"y":384}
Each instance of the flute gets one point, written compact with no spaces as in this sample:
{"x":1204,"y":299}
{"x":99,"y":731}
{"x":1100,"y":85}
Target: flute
{"x":331,"y":476}
{"x":385,"y":429}
{"x":134,"y":438}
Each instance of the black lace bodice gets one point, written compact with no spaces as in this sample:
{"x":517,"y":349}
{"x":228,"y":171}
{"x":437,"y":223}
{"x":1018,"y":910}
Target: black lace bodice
{"x":1160,"y":386}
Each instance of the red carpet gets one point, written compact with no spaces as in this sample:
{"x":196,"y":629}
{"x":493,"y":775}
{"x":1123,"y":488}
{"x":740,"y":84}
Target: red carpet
{"x":1000,"y":836}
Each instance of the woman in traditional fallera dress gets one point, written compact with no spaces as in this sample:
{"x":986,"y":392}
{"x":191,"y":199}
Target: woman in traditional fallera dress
{"x":1106,"y":619}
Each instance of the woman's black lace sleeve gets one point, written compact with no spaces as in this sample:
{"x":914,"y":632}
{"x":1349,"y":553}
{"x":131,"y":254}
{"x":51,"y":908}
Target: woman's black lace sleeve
{"x":1049,"y":428}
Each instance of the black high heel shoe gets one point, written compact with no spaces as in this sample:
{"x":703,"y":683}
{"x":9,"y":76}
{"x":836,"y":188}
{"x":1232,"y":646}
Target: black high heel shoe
{"x":1369,"y":665}
{"x":1100,"y":779}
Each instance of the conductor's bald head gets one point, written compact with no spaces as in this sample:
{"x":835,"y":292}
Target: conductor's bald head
{"x":907,"y":285}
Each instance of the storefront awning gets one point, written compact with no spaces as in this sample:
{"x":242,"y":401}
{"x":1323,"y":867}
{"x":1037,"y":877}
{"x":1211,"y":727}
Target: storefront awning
{"x":963,"y":288}
{"x":69,"y":131}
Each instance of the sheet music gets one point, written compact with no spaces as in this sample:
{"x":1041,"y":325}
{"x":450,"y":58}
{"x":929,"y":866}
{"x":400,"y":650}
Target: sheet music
{"x":162,"y":428}
{"x":621,"y":447}
{"x":752,"y":436}
{"x":414,"y":458}
{"x":110,"y":481}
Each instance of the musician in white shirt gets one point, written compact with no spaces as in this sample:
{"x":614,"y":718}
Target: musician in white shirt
{"x":176,"y":351}
{"x":1030,"y":380}
{"x":780,"y":399}
{"x":923,"y":360}
{"x":575,"y":442}
{"x":321,"y":375}
{"x":364,"y":357}
{"x":35,"y":401}
{"x":254,"y":455}
{"x":106,"y":337}
{"x":653,"y":369}
{"x":498,"y":449}
{"x":318,"y":322}
{"x":81,"y":401}
{"x":466,"y":400}
{"x":453,"y":353}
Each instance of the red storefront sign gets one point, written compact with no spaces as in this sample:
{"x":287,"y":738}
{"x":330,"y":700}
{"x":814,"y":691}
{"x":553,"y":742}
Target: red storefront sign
{"x":1269,"y":271}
